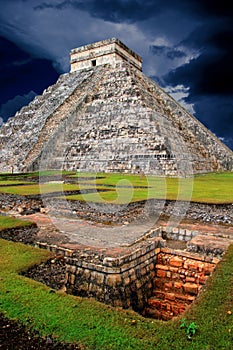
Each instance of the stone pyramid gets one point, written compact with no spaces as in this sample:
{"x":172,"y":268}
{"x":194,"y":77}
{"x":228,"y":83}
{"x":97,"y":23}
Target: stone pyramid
{"x":106,"y":115}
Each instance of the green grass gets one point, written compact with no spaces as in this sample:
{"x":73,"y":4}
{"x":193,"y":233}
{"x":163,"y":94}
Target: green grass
{"x":13,"y":182}
{"x":213,"y":188}
{"x":209,"y":188}
{"x":123,"y":188}
{"x":11,"y":222}
{"x":100,"y":327}
{"x":35,"y":189}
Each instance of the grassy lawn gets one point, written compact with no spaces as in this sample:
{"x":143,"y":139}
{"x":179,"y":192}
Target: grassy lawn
{"x":35,"y":189}
{"x":10,"y":222}
{"x":213,"y":188}
{"x":208,"y":188}
{"x":100,"y":327}
{"x":13,"y":182}
{"x":124,"y":188}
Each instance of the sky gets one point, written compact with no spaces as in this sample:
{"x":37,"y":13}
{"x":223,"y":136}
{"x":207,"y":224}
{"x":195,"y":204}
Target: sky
{"x":186,"y":46}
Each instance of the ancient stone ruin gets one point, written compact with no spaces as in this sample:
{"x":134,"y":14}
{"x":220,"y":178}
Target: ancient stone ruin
{"x":106,"y":115}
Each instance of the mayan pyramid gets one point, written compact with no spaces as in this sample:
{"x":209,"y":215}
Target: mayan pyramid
{"x":106,"y":115}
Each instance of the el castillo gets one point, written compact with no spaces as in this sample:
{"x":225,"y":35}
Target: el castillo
{"x":115,"y":214}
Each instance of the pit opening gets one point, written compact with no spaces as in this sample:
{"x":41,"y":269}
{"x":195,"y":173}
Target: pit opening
{"x":153,"y":276}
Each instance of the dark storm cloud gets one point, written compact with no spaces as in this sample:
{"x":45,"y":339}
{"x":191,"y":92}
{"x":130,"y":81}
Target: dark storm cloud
{"x":213,"y":8}
{"x":209,"y":76}
{"x":20,"y":74}
{"x":169,"y":52}
{"x":116,"y":11}
{"x":214,"y":65}
{"x":210,"y":73}
{"x":9,"y":108}
{"x":216,"y":111}
{"x":186,"y":45}
{"x":138,"y":10}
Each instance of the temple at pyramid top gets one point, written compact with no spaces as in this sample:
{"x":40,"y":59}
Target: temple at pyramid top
{"x":109,"y":51}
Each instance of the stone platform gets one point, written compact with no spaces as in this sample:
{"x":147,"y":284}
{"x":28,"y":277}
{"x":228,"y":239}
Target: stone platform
{"x":157,"y":271}
{"x":74,"y":233}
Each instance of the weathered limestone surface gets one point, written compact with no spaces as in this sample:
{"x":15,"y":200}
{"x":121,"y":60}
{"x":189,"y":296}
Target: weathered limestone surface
{"x":125,"y":281}
{"x":110,"y":118}
{"x":205,"y":244}
{"x":24,"y":135}
{"x":109,"y":51}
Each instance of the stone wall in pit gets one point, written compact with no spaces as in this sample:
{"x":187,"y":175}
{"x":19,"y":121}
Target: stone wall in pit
{"x":124,"y":282}
{"x":179,"y":276}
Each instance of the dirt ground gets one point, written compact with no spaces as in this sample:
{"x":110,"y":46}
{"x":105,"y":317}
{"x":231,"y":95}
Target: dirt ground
{"x":14,"y":336}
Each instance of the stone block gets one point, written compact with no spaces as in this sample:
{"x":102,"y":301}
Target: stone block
{"x":188,"y":233}
{"x":176,"y":261}
{"x":175,"y":230}
{"x":126,"y":281}
{"x":190,"y":279}
{"x":192,"y":265}
{"x":176,"y":276}
{"x":208,"y":269}
{"x":117,"y":303}
{"x":71,"y":279}
{"x":186,"y":298}
{"x":99,"y":278}
{"x":162,"y":267}
{"x":158,"y":294}
{"x":161,"y":273}
{"x":170,"y":296}
{"x":173,"y":269}
{"x":178,"y":285}
{"x":113,"y":280}
{"x":191,"y":288}
{"x":168,"y":285}
{"x":181,"y":232}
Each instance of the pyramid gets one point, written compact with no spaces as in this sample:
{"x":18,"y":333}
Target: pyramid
{"x":106,"y":115}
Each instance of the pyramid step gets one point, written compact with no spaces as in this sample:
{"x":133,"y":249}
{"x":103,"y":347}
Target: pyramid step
{"x":117,"y":110}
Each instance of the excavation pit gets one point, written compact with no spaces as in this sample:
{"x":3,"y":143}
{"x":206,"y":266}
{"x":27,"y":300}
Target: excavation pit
{"x":156,"y":277}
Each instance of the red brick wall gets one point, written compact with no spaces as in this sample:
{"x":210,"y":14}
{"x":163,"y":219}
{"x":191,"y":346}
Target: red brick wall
{"x":178,"y":279}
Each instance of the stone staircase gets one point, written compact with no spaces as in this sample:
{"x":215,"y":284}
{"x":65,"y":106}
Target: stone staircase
{"x":106,"y":134}
{"x":59,"y":129}
{"x":20,"y":134}
{"x":85,"y":81}
{"x":105,"y":125}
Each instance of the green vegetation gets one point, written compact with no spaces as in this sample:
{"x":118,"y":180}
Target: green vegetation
{"x":206,"y":188}
{"x":35,"y":174}
{"x":35,"y":189}
{"x":13,"y":182}
{"x":98,"y":326}
{"x":10,"y":222}
{"x":190,"y":328}
{"x":124,"y":188}
{"x":213,"y":188}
